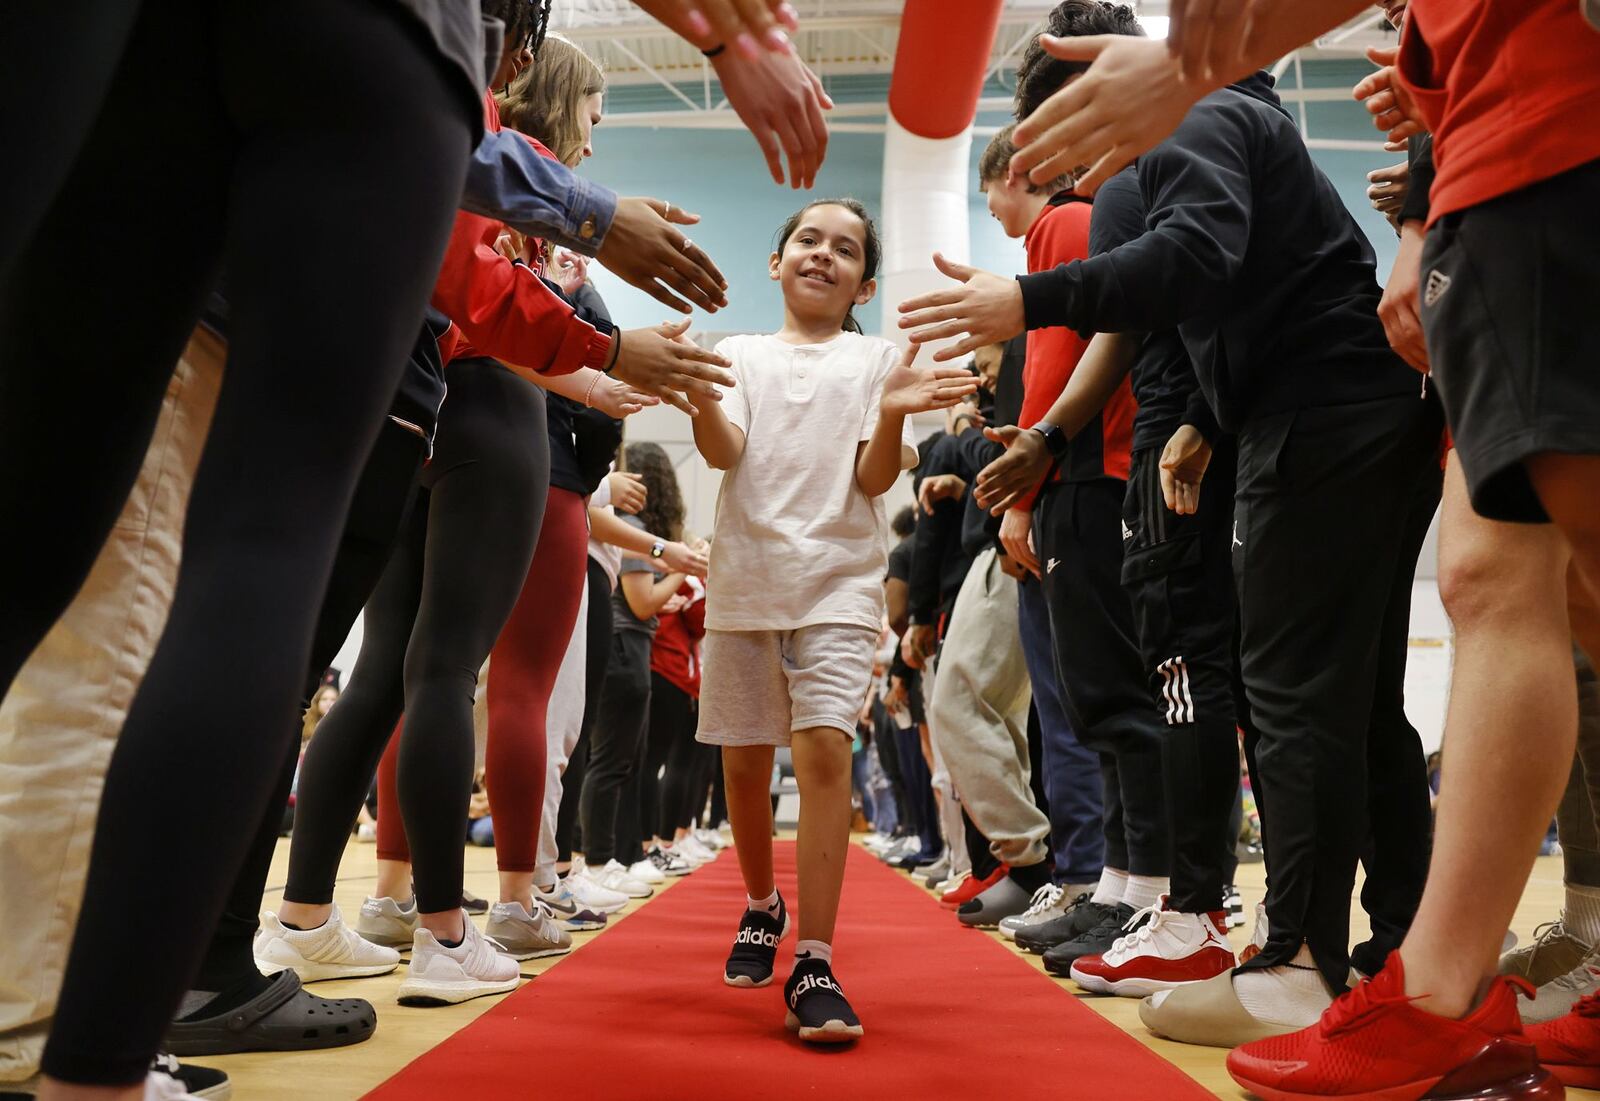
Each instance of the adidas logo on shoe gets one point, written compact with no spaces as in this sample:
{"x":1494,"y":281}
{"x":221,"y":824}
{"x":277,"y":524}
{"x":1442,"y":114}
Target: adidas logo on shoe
{"x":814,"y":982}
{"x":756,"y":936}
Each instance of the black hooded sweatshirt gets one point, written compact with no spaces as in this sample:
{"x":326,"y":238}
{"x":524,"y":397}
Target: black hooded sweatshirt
{"x":1252,"y":256}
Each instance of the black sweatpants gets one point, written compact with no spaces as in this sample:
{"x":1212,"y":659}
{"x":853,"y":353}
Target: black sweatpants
{"x":1077,"y":530}
{"x":1178,"y":571}
{"x":446,"y":593}
{"x":671,"y":752}
{"x":615,"y":742}
{"x":598,"y":655}
{"x":1332,"y":506}
{"x":384,"y":496}
{"x":203,"y":155}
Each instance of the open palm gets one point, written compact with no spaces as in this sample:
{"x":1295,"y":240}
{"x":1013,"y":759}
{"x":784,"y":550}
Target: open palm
{"x":909,"y":389}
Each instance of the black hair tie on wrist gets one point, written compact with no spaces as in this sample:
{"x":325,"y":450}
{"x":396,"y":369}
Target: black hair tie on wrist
{"x":715,"y":50}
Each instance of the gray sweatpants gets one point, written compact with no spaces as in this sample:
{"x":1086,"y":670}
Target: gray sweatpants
{"x":980,"y":708}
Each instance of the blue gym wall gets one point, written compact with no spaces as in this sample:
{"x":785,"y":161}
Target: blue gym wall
{"x":721,"y":176}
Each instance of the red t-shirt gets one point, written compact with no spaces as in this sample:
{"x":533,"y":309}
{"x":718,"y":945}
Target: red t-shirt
{"x":1060,"y":235}
{"x":502,"y":309}
{"x":675,"y":653}
{"x":1509,"y":88}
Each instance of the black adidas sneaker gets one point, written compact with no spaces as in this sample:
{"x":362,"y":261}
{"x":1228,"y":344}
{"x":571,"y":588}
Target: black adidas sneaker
{"x":817,"y":1008}
{"x":756,"y":946}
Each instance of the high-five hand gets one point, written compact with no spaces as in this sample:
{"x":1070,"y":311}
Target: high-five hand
{"x":655,"y":361}
{"x":748,"y":26}
{"x":985,"y":306}
{"x":909,"y":389}
{"x":1005,"y":481}
{"x":644,"y":247}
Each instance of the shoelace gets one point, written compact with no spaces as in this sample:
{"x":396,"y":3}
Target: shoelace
{"x":1141,"y":934}
{"x":1044,"y":898}
{"x":1585,"y":976}
{"x":165,"y":1063}
{"x":1356,"y":1003}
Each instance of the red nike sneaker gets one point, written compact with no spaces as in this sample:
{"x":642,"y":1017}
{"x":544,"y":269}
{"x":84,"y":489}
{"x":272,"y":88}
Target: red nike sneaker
{"x":1569,"y":1046}
{"x":1170,"y":950}
{"x":971,"y":887}
{"x":1373,"y":1045}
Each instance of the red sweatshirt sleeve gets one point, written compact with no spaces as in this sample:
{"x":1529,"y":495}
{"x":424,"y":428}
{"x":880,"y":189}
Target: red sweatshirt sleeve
{"x":1060,"y":236}
{"x":505,"y":311}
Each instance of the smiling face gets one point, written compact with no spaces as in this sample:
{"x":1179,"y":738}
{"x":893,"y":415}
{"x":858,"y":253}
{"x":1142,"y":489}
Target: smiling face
{"x":822,"y":264}
{"x":1011,"y":204}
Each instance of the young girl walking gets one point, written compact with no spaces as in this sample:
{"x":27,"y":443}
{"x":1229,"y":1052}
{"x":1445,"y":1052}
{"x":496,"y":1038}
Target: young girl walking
{"x":814,"y":432}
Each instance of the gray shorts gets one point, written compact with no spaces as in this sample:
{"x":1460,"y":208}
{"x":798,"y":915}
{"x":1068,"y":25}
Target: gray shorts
{"x":759,"y":687}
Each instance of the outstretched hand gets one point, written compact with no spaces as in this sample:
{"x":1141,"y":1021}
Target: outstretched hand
{"x":1013,"y":475}
{"x":644,"y":247}
{"x":746,"y":26}
{"x":662,"y":361}
{"x":909,"y":389}
{"x":984,"y":306}
{"x":1391,"y":106}
{"x":780,"y":101}
{"x":1183,"y":465}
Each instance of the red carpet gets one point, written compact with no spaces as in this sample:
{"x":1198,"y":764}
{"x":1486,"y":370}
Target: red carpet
{"x":642,"y":1013}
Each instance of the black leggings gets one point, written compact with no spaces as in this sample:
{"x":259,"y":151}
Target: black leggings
{"x":429,"y":626}
{"x":203,"y":154}
{"x":614,"y":744}
{"x":669,"y":754}
{"x":598,"y":636}
{"x":384,"y":496}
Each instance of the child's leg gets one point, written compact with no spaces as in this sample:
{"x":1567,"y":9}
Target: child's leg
{"x":822,"y":769}
{"x":747,"y":774}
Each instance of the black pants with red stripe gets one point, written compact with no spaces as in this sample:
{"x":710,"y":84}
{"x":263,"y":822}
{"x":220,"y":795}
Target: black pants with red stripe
{"x":1176,"y":570}
{"x":1078,"y":535}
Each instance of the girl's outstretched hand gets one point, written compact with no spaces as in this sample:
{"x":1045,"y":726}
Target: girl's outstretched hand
{"x":910,"y":389}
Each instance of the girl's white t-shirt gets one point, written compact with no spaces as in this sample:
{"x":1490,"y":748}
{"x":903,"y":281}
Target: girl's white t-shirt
{"x":797,"y":542}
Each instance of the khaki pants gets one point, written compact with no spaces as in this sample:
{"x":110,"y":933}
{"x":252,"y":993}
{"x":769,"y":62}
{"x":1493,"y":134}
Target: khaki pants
{"x":980,"y":711}
{"x":63,"y":714}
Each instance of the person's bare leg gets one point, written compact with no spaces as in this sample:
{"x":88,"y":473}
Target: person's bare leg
{"x":394,"y":881}
{"x":1511,"y":727}
{"x":517,"y":887}
{"x":822,"y":771}
{"x":1569,"y":487}
{"x":747,"y":776}
{"x":52,"y":1090}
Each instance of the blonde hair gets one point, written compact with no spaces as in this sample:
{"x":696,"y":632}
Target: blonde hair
{"x":547,"y":100}
{"x":308,"y":721}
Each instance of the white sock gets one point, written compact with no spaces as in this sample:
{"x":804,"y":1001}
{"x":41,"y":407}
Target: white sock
{"x":813,"y":949}
{"x":1581,"y":914}
{"x":1144,"y":890}
{"x":1113,"y":885}
{"x":1293,"y":995}
{"x":767,"y":905}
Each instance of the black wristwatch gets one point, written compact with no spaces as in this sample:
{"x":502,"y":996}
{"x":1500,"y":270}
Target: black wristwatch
{"x":1055,"y":440}
{"x":657,"y":549}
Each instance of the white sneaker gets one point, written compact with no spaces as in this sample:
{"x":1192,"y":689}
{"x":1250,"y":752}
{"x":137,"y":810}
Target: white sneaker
{"x":170,"y":1080}
{"x":1173,"y":949}
{"x":711,"y":839}
{"x":366,"y":833}
{"x":646,"y":872}
{"x":695,"y":849}
{"x":333,"y":950}
{"x":1049,"y":902}
{"x":614,"y":877}
{"x":573,"y":915}
{"x":669,"y":862}
{"x":384,"y":921}
{"x":590,"y":895}
{"x":445,"y":976}
{"x":525,"y":936}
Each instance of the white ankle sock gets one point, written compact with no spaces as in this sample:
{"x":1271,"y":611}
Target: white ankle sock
{"x":768,"y":905}
{"x":1294,"y":995}
{"x":1113,"y":885}
{"x":815,"y":949}
{"x":1581,"y":914}
{"x":1145,"y":890}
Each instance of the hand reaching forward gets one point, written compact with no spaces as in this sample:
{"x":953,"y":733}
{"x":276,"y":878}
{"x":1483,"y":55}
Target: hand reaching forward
{"x":910,"y":389}
{"x":1003,"y":482}
{"x":780,"y":101}
{"x":940,"y":487}
{"x":655,"y":361}
{"x":748,"y":26}
{"x":985,"y":306}
{"x":644,"y":247}
{"x":628,"y":493}
{"x":684,"y":559}
{"x":1392,"y":108}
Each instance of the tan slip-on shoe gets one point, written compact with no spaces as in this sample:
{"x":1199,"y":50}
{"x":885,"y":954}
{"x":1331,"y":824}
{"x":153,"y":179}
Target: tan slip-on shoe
{"x":1206,"y":1013}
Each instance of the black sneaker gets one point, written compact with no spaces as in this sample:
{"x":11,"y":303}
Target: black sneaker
{"x":1084,"y":914}
{"x":817,"y":1009}
{"x":756,"y":946}
{"x":472,"y":904}
{"x":1095,"y":942}
{"x":196,"y":1081}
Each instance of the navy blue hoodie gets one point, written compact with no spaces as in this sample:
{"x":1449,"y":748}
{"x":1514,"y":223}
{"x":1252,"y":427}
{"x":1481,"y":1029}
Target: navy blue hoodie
{"x":1252,"y":256}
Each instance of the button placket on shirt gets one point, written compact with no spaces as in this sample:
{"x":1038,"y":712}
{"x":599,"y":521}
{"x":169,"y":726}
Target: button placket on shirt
{"x":803,"y":374}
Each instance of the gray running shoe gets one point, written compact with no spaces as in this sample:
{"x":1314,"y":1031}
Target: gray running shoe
{"x":525,"y":936}
{"x":1553,"y":953}
{"x":1557,"y":997}
{"x":383,"y":921}
{"x":1005,"y":899}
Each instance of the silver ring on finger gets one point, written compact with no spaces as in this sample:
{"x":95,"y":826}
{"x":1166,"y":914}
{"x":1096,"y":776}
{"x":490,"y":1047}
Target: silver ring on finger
{"x":668,"y":214}
{"x":686,"y":245}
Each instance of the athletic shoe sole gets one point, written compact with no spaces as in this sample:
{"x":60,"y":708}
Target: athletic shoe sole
{"x":425,"y":992}
{"x":535,"y":953}
{"x":310,"y":971}
{"x":1535,"y":1087}
{"x":745,"y":982}
{"x":1125,"y":988}
{"x":831,"y":1032}
{"x":577,"y":925}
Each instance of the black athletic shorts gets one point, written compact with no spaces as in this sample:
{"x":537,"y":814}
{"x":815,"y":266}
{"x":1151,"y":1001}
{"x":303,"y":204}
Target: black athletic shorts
{"x":1508,"y":304}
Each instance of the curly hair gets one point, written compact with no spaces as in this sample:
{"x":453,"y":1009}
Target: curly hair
{"x":663,"y":512}
{"x":1040,"y":76}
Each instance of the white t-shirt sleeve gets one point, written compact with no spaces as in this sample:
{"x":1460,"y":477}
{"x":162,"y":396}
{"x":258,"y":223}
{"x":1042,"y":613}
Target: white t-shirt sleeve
{"x":735,"y":401}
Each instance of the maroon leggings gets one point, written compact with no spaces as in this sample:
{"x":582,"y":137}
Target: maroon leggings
{"x":522,"y":675}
